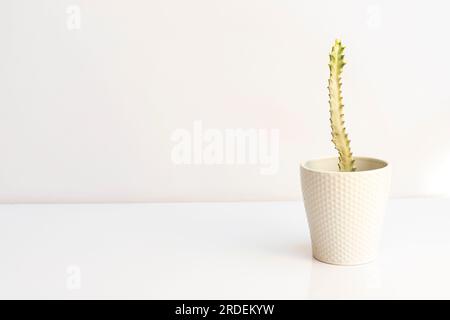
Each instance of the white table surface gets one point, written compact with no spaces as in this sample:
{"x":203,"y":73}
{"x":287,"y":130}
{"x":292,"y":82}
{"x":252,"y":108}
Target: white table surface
{"x":212,"y":251}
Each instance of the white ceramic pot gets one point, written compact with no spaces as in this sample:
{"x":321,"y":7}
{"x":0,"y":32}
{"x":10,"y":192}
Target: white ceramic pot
{"x":345,"y":209}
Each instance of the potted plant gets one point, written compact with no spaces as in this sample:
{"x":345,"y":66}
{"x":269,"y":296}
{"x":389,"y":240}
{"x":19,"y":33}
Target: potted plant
{"x":344,"y":197}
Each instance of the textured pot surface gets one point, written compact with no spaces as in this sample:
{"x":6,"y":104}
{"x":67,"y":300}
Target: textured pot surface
{"x":345,"y":209}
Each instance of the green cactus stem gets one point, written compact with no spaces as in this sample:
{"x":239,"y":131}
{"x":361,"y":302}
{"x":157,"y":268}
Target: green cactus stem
{"x":338,"y":133}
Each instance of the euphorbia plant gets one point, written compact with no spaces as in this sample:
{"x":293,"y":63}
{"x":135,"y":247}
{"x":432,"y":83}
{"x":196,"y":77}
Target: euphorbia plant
{"x":345,"y":209}
{"x":338,"y":132}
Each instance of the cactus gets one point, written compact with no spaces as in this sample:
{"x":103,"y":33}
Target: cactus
{"x":338,"y":133}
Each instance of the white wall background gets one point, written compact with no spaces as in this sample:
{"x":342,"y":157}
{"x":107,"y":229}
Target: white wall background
{"x":87,"y":114}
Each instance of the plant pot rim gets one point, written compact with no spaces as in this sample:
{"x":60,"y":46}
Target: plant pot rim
{"x":382,"y":165}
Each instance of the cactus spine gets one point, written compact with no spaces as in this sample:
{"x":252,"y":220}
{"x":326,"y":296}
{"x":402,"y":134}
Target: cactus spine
{"x":338,"y":133}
